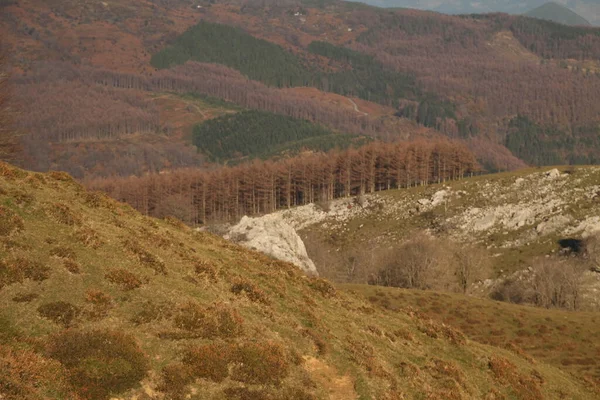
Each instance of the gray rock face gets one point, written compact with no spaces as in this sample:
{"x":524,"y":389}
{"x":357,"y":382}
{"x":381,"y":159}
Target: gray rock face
{"x":272,"y":235}
{"x":552,"y":225}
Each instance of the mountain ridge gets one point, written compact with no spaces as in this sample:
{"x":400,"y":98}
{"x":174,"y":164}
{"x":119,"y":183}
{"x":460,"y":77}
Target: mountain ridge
{"x":555,"y":12}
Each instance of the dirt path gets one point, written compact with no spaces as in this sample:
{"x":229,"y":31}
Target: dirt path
{"x":338,"y":387}
{"x":356,"y":106}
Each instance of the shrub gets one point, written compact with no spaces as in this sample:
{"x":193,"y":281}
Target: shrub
{"x":125,"y":279}
{"x":72,"y":266}
{"x":260,"y":363}
{"x":100,"y":363}
{"x":145,"y":257}
{"x":174,"y":380}
{"x":18,"y":269}
{"x":99,"y":304}
{"x":60,"y":312}
{"x":255,"y":294}
{"x":206,"y":269}
{"x":10,"y":222}
{"x":27,"y":375}
{"x":215,"y":321}
{"x":152,"y":311}
{"x":63,"y":252}
{"x":89,"y":237}
{"x":25,"y":297}
{"x":63,"y":214}
{"x":323,"y":286}
{"x":210,"y":361}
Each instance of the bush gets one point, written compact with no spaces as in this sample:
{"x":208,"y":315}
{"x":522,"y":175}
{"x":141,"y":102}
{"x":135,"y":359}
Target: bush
{"x":99,"y":363}
{"x":125,"y":279}
{"x":60,"y":312}
{"x":323,"y":286}
{"x":146,"y":258}
{"x":255,"y":294}
{"x":27,"y":375}
{"x":88,"y":237}
{"x":18,"y":269}
{"x":152,"y":311}
{"x":204,"y":268}
{"x":260,"y":363}
{"x":174,"y":380}
{"x":63,"y":214}
{"x":210,"y":361}
{"x":72,"y":266}
{"x":25,"y":297}
{"x":99,"y":304}
{"x":215,"y":321}
{"x":63,"y":252}
{"x":10,"y":222}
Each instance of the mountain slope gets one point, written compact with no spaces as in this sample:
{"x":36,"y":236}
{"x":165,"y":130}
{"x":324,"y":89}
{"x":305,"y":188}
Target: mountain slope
{"x":589,"y":8}
{"x":100,"y":301}
{"x":557,"y":13}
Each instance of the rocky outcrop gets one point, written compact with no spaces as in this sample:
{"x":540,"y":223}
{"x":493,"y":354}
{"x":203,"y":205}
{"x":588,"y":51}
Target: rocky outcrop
{"x":272,"y":235}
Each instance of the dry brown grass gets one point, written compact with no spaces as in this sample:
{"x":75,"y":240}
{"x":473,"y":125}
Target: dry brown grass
{"x":10,"y":222}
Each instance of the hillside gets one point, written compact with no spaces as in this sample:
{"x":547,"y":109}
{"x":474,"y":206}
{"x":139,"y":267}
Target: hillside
{"x":589,"y":8}
{"x":100,"y":301}
{"x":568,"y":340}
{"x":466,"y":77}
{"x":557,"y":13}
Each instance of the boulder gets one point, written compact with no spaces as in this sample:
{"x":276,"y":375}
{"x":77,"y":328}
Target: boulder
{"x":439,"y":197}
{"x":272,"y":235}
{"x":552,"y":225}
{"x":552,"y":174}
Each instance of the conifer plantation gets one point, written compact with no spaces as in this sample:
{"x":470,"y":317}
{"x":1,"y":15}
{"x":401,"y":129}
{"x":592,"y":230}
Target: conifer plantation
{"x":227,"y":194}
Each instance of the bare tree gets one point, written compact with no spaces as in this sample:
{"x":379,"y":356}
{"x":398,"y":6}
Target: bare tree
{"x":471,"y":264}
{"x":414,"y":265}
{"x":592,"y":251}
{"x":557,"y":283}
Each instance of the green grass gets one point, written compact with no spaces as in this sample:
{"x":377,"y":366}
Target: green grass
{"x":377,"y":352}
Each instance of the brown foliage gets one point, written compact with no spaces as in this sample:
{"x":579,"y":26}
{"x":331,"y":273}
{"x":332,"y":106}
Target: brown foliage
{"x":60,"y":312}
{"x":259,"y":187}
{"x":215,"y":321}
{"x":10,"y":222}
{"x":99,"y":363}
{"x":27,"y":375}
{"x":125,"y":279}
{"x":254,"y":293}
{"x":15,"y":270}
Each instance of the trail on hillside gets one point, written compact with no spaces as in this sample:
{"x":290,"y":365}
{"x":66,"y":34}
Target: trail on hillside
{"x":338,"y":387}
{"x":356,"y":106}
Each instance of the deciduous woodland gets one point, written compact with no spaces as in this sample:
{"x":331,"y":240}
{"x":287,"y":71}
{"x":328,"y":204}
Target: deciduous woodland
{"x":261,"y":187}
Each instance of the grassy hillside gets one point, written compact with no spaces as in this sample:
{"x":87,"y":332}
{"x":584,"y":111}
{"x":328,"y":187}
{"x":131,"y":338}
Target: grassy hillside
{"x":568,"y":340}
{"x":100,"y":301}
{"x":262,"y":134}
{"x":557,"y":13}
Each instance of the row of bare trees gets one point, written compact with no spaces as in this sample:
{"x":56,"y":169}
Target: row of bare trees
{"x":261,"y":187}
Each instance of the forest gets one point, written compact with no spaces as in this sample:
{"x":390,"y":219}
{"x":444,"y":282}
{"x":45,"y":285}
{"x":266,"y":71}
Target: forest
{"x":262,"y":134}
{"x":228,"y":193}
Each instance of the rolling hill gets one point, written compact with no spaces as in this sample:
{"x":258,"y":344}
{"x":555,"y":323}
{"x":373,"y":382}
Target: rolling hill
{"x":589,"y":8}
{"x":557,"y":13}
{"x":100,"y":301}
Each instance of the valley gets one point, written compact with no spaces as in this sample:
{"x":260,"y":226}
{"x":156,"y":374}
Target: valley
{"x":298,"y":199}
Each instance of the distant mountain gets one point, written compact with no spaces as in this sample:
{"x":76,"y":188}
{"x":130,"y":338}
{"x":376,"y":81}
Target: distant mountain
{"x":589,"y":8}
{"x":557,"y":13}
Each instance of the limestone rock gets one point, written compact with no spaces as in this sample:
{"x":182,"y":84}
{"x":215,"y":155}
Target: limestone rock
{"x":552,"y":174}
{"x":272,"y":235}
{"x":552,"y":225}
